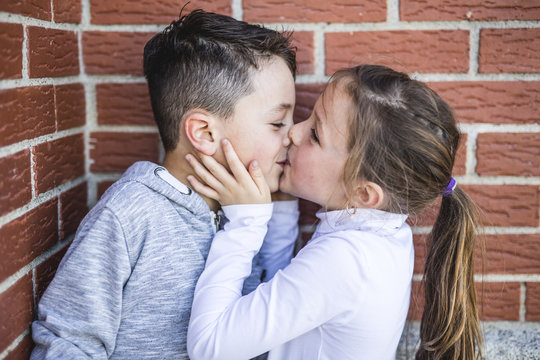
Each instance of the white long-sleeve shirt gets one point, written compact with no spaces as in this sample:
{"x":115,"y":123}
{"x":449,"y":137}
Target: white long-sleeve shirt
{"x":344,"y":296}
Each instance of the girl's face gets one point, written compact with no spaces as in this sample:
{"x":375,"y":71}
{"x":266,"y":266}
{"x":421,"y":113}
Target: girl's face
{"x":318,"y":151}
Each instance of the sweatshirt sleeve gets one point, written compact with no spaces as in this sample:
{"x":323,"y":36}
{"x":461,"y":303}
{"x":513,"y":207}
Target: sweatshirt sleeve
{"x":277,"y":249}
{"x":79,"y":313}
{"x":299,"y":298}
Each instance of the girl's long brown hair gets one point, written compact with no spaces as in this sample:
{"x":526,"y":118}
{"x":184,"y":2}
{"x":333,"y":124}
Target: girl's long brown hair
{"x":404,"y":137}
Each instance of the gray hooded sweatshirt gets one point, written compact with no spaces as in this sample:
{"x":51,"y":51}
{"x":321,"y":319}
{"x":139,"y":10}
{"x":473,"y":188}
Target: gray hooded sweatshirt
{"x":125,"y":286}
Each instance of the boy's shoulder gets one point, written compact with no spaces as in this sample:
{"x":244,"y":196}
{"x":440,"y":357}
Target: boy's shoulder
{"x":136,"y":186}
{"x":141,"y":193}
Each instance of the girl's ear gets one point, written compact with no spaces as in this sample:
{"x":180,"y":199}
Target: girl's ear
{"x":201,"y":130}
{"x":369,"y":195}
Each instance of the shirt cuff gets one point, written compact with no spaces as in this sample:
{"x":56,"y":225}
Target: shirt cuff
{"x":247,"y":214}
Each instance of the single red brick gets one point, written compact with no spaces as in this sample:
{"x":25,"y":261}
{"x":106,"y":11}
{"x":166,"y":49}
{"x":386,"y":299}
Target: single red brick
{"x":425,"y":51}
{"x":408,"y":51}
{"x":16,"y":312}
{"x":11,"y":39}
{"x":52,"y":52}
{"x":495,"y":301}
{"x":314,"y":11}
{"x":508,"y":154}
{"x":506,"y":205}
{"x":494,"y":254}
{"x":103,"y":186}
{"x":124,"y":104}
{"x":114,"y":52}
{"x":509,"y":50}
{"x":27,"y":237}
{"x":40,"y":9}
{"x":23,"y":349}
{"x":73,"y":208}
{"x":46,"y":270}
{"x":512,"y":254}
{"x":498,"y":301}
{"x":15,"y":182}
{"x":306,"y":97}
{"x":26,"y":113}
{"x":305,"y":58}
{"x":501,"y":205}
{"x":532,"y":301}
{"x":475,"y":10}
{"x":155,"y":12}
{"x":115,"y":152}
{"x":67,"y":11}
{"x":499,"y":102}
{"x":58,"y":161}
{"x":70,"y":106}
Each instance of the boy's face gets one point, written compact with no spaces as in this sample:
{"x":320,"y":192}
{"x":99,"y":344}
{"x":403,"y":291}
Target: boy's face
{"x":261,"y":120}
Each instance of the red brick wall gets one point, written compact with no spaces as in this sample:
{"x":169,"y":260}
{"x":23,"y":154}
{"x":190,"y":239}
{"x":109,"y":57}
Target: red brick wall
{"x":75,"y":114}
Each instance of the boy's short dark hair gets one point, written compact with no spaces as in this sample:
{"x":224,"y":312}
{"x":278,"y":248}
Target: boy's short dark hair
{"x":205,"y":60}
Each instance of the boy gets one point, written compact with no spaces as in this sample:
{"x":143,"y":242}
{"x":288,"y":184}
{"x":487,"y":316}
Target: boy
{"x":125,"y":286}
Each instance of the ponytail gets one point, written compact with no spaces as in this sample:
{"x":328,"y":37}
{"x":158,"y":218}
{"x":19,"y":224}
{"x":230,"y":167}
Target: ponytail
{"x":450,"y":327}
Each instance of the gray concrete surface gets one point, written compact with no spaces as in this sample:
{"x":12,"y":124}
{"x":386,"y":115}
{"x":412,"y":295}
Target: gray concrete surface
{"x":502,"y":341}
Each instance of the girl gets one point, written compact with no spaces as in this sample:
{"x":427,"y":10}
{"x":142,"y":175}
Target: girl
{"x":377,"y":147}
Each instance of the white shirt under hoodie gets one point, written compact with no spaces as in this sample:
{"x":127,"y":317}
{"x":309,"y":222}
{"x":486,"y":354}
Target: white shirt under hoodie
{"x":344,"y":296}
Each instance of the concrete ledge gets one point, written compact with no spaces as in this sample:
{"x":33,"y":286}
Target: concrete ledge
{"x":502,"y":341}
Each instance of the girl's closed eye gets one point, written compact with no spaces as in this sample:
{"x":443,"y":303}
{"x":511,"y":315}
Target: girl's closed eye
{"x":314,"y":135}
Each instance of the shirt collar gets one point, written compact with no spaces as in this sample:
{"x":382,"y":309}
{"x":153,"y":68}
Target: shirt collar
{"x":377,"y":221}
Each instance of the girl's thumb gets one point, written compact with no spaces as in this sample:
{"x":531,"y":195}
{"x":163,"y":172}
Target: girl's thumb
{"x":258,"y":177}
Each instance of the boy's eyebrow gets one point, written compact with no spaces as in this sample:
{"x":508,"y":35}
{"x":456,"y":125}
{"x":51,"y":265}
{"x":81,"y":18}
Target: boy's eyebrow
{"x":281,"y":107}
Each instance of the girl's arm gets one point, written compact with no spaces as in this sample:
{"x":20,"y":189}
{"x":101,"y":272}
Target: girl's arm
{"x":278,"y":246}
{"x":301,"y":297}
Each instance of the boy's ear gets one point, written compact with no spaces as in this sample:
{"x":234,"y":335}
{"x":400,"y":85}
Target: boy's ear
{"x":369,"y":195}
{"x":201,"y":131}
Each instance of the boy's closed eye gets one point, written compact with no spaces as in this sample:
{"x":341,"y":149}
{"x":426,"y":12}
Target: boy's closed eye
{"x":278,"y":125}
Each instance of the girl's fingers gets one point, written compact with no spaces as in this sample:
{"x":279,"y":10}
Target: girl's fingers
{"x":237,"y":168}
{"x":202,"y":189}
{"x":203,"y":173}
{"x":218,"y":171}
{"x":260,"y":181}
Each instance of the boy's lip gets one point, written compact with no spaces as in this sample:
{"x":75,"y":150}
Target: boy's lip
{"x":284,"y":163}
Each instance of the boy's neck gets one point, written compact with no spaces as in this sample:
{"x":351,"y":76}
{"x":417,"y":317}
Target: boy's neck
{"x":177,"y":165}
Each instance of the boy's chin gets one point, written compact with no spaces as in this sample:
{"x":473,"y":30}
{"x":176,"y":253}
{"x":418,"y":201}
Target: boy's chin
{"x":273,"y":184}
{"x":274,"y":187}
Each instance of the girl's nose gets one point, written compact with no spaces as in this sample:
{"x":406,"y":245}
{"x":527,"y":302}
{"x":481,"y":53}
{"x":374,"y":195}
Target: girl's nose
{"x":286,"y":141}
{"x":294,"y":137}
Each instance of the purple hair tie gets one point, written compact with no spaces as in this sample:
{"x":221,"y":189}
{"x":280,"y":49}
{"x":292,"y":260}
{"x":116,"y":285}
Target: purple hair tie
{"x":450,"y":187}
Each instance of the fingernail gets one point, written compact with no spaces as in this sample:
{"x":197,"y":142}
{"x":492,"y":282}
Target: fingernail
{"x":225,"y":142}
{"x":187,"y":157}
{"x":255,"y":164}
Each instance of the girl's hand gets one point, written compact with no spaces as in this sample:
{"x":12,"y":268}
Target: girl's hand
{"x":240,"y":187}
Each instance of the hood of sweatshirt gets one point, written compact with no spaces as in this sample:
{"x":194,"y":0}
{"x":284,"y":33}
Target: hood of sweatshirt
{"x":157,"y":178}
